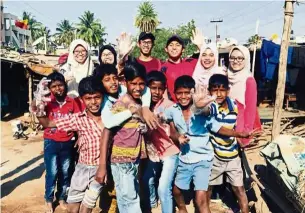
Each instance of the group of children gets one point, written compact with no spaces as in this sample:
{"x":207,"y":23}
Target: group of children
{"x":145,"y":163}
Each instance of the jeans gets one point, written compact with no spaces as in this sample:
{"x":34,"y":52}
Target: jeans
{"x":58,"y":160}
{"x":125,"y":176}
{"x":169,"y":166}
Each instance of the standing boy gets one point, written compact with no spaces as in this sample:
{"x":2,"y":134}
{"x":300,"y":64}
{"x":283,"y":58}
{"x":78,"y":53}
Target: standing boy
{"x":58,"y":144}
{"x":84,"y":189}
{"x":196,"y":151}
{"x":162,"y":151}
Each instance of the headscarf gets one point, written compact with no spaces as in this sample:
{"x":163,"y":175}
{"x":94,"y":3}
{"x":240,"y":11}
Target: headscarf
{"x":202,"y":75}
{"x":111,"y":49}
{"x":75,"y":71}
{"x":238,"y":79}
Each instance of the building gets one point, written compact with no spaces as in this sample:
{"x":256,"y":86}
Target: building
{"x":11,"y":35}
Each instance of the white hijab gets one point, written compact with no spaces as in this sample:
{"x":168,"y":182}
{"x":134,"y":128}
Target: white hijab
{"x":75,"y":71}
{"x":202,"y":75}
{"x":238,"y":79}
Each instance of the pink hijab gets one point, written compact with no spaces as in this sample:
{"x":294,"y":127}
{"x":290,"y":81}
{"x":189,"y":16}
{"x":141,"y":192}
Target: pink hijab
{"x":202,"y":75}
{"x":238,"y":79}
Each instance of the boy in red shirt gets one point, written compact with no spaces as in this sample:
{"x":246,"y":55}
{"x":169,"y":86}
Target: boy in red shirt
{"x":58,"y":146}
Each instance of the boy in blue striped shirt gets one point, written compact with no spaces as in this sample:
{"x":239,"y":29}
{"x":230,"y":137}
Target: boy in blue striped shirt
{"x":226,"y":159}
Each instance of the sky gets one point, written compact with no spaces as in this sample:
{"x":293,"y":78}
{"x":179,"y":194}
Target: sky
{"x":239,"y":17}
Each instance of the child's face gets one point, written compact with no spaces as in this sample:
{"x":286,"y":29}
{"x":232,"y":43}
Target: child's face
{"x":57,"y":88}
{"x":136,"y":87}
{"x":220,"y":92}
{"x":111,"y":83}
{"x":183,"y":96}
{"x":93,"y":101}
{"x":157,"y":89}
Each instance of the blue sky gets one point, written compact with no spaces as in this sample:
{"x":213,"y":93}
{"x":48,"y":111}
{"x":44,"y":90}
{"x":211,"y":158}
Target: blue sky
{"x":239,"y":17}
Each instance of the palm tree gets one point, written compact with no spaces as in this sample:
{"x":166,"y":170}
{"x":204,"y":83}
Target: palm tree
{"x":43,"y":31}
{"x":91,"y":30}
{"x":65,"y":33}
{"x":34,"y":25}
{"x":147,"y":18}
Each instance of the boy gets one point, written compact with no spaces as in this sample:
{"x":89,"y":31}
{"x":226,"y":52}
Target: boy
{"x":163,"y":154}
{"x":227,"y":161}
{"x":196,"y":152}
{"x":128,"y":143}
{"x":58,"y":144}
{"x":84,"y":190}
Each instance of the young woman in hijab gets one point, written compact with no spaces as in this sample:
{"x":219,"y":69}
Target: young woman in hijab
{"x":244,"y":90}
{"x":107,"y":55}
{"x":78,"y":66}
{"x":207,"y":64}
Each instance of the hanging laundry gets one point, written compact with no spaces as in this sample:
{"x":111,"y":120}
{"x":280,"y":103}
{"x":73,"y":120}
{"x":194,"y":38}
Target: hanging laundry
{"x":298,"y":57}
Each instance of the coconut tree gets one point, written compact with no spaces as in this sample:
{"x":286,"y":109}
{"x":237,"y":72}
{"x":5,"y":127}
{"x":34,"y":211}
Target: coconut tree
{"x":34,"y":25}
{"x":91,"y":29}
{"x":64,"y":32}
{"x":147,"y":18}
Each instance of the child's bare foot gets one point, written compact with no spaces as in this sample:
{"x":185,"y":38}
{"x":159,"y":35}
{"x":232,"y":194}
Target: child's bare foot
{"x":49,"y":207}
{"x":63,"y":204}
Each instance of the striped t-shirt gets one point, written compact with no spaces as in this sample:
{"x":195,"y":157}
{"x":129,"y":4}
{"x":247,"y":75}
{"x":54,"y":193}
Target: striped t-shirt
{"x":225,"y":148}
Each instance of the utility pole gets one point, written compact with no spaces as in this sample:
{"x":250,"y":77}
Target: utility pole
{"x":276,"y":125}
{"x":216,"y":35}
{"x":255,"y":46}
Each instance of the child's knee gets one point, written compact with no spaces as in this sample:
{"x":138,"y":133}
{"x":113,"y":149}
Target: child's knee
{"x":239,"y":191}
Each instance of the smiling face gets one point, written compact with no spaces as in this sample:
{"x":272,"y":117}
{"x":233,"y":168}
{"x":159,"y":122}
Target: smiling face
{"x":157,"y":89}
{"x":237,"y":60}
{"x":145,"y":46}
{"x":207,"y":59}
{"x":107,"y":57}
{"x":80,"y":54}
{"x":183,"y":96}
{"x":135,"y":87}
{"x":174,"y":50}
{"x":93,"y":102}
{"x":111,"y":83}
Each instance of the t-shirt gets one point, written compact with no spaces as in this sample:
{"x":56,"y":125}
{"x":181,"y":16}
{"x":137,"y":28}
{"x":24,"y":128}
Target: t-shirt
{"x":172,"y":71}
{"x":225,"y":148}
{"x":55,"y":111}
{"x":154,"y":64}
{"x":128,"y":141}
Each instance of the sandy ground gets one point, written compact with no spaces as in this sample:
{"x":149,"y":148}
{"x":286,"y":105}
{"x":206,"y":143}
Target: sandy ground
{"x":22,"y":174}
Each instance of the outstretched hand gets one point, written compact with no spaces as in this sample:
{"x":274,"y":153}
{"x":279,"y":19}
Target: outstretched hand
{"x":201,"y":97}
{"x":125,"y":46}
{"x":197,"y":38}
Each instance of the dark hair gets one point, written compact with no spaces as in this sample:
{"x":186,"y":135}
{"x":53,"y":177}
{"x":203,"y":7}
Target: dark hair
{"x":104,"y":69}
{"x":217,"y":80}
{"x":133,"y":70}
{"x":156,"y":76}
{"x":56,"y":76}
{"x":111,"y":49}
{"x":90,"y":85}
{"x":184,"y":81}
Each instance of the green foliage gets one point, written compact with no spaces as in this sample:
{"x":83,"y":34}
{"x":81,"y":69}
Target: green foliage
{"x":91,"y":30}
{"x":147,"y":18}
{"x":253,"y":39}
{"x":65,"y":33}
{"x":34,"y":25}
{"x":162,"y":35}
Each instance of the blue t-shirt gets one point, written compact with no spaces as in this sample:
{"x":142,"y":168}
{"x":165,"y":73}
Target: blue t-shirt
{"x":197,"y":129}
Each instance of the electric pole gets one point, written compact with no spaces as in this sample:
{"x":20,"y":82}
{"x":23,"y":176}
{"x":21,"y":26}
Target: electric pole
{"x":276,"y":124}
{"x":216,"y":25}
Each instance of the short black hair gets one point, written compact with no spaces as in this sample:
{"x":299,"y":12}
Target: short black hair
{"x":133,"y":70}
{"x":104,"y":69}
{"x":56,"y":76}
{"x":90,"y":85}
{"x":218,"y":80}
{"x":155,"y":75}
{"x":184,"y":81}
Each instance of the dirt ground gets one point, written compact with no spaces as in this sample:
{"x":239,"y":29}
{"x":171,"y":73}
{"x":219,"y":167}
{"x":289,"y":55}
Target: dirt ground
{"x":23,"y":174}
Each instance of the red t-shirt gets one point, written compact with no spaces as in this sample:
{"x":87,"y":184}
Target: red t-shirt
{"x":154,"y":64}
{"x":54,"y":111}
{"x":173,"y":71}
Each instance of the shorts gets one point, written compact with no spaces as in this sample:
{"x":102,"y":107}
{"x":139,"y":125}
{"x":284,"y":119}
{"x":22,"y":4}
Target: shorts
{"x":84,"y":188}
{"x":231,"y":169}
{"x":198,"y":172}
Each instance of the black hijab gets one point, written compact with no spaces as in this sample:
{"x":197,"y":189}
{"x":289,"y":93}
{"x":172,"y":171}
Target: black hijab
{"x":111,"y":49}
